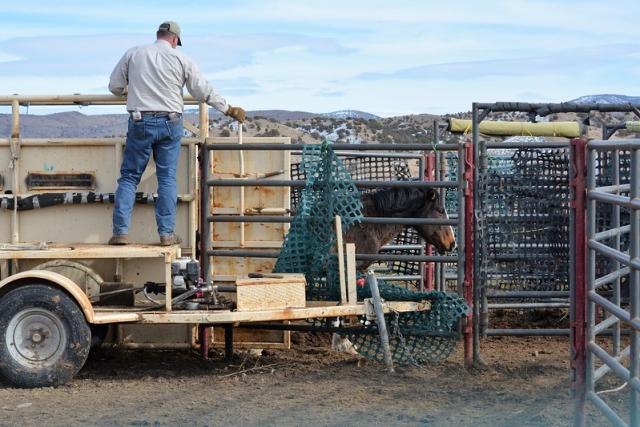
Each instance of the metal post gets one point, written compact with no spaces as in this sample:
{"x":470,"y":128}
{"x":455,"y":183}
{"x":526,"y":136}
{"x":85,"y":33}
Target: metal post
{"x":382,"y":325}
{"x":475,"y":134}
{"x":441,"y":281}
{"x":634,"y":285}
{"x":422,"y":172}
{"x":467,"y":256}
{"x":15,"y":165}
{"x":228,"y":342}
{"x":439,"y":176}
{"x":203,"y":337}
{"x":577,"y":278}
{"x":429,"y":176}
{"x":205,"y":226}
{"x":584,"y":331}
{"x":616,"y":265}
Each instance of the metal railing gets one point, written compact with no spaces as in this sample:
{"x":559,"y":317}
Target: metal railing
{"x":480,"y":111}
{"x":603,"y":353}
{"x":458,"y":222}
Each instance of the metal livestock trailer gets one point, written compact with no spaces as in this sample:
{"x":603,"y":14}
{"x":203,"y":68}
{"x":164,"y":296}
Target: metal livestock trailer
{"x":60,"y":282}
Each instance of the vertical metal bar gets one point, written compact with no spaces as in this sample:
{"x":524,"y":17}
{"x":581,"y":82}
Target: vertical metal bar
{"x":194,"y":152}
{"x":203,"y":337}
{"x":439,"y":175}
{"x":572,"y":277}
{"x":382,"y":325}
{"x":442,"y":280}
{"x":475,"y":133}
{"x":205,"y":226}
{"x":15,"y":165}
{"x":461,"y":235}
{"x":578,"y":243}
{"x":429,"y":158}
{"x":228,"y":342}
{"x":467,"y":243}
{"x":590,"y":267}
{"x":616,"y":265}
{"x":436,"y":174}
{"x":634,"y":284}
{"x":422,"y":168}
{"x":241,"y":189}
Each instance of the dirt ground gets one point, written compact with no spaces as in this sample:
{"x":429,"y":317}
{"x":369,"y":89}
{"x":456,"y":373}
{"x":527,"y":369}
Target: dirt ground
{"x":525,"y":383}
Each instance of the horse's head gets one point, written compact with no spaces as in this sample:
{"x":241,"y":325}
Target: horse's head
{"x":440,"y":236}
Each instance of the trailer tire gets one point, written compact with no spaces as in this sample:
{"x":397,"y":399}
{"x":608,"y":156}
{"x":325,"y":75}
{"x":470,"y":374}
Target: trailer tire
{"x":44,"y":337}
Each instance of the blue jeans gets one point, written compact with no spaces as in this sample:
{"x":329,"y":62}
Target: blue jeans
{"x":162,"y":136}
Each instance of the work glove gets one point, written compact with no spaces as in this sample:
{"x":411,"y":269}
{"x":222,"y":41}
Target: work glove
{"x":236,"y":113}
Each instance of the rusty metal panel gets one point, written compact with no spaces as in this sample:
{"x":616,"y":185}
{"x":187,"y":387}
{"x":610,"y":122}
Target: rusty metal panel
{"x":227,"y":269}
{"x":86,"y":223}
{"x":228,"y":200}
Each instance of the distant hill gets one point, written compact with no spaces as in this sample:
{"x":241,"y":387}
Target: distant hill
{"x":607,"y":99}
{"x":346,"y":126}
{"x":351,"y":114}
{"x":70,"y":124}
{"x":284,"y":115}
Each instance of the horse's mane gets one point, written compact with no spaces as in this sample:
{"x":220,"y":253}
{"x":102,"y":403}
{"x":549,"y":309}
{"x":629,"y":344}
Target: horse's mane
{"x":401,"y":202}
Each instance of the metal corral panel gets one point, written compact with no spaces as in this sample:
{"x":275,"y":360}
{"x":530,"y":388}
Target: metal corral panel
{"x":88,"y":222}
{"x":227,"y":269}
{"x":237,"y":200}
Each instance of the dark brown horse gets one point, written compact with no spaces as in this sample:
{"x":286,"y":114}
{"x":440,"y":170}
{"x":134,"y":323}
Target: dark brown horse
{"x":400,"y":203}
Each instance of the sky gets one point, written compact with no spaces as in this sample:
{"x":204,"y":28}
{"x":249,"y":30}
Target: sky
{"x":384,"y":57}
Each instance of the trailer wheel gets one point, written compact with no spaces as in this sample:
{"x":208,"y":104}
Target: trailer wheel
{"x":44,"y":337}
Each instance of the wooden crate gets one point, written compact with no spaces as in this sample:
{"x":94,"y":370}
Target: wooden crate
{"x":271,"y":293}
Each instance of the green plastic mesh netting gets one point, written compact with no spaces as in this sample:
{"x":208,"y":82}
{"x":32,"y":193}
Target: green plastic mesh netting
{"x":418,"y":337}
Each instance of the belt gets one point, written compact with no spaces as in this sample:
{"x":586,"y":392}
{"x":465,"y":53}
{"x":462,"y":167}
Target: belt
{"x":171,"y":115}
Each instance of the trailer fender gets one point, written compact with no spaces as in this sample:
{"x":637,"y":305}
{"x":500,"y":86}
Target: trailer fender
{"x":58,"y":280}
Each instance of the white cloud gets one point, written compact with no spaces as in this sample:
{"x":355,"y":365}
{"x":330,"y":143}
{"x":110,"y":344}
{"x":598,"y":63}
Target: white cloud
{"x":292,"y":54}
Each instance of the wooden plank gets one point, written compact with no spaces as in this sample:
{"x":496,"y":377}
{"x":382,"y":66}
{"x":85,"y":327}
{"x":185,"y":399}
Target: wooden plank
{"x":92,"y":251}
{"x":352,"y":293}
{"x":248,"y":140}
{"x":80,"y":142}
{"x":340,"y":246}
{"x":224,"y":316}
{"x":191,"y":128}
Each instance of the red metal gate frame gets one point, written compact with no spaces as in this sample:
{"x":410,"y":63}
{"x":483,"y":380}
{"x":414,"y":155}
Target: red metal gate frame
{"x":578,"y":324}
{"x":468,"y":251}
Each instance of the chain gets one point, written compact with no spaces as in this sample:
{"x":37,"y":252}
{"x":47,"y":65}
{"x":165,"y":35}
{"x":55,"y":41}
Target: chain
{"x":396,"y":333}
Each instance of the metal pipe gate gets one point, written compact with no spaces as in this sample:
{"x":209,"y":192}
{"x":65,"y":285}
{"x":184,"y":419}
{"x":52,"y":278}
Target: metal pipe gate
{"x":543,"y":298}
{"x":612,"y":259}
{"x":459,"y":222}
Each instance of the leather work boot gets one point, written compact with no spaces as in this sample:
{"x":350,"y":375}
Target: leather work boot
{"x":119,"y":239}
{"x":170,"y":239}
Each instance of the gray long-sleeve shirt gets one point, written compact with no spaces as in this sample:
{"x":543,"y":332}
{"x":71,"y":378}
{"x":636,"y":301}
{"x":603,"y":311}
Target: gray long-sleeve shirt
{"x":155,"y":75}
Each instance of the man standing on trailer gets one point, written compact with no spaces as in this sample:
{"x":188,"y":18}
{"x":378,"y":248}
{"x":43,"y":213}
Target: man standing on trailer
{"x":152,"y":77}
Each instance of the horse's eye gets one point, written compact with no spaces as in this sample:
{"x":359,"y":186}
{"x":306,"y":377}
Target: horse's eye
{"x":441,"y":210}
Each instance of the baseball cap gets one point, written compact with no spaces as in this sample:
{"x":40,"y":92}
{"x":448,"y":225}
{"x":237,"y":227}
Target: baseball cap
{"x":172,"y":27}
